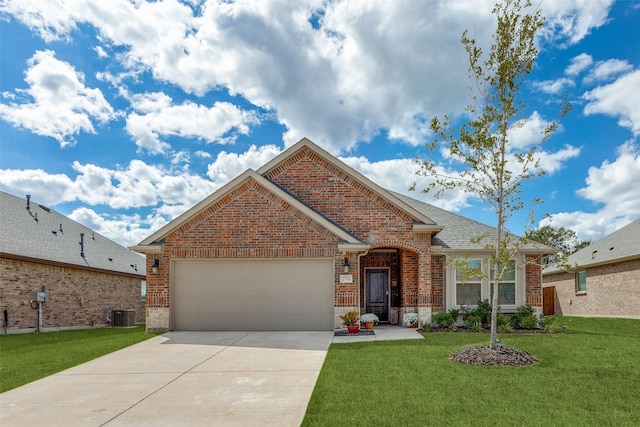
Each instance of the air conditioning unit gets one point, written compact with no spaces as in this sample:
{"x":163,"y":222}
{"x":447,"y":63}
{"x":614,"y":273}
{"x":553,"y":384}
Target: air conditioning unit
{"x":123,"y":318}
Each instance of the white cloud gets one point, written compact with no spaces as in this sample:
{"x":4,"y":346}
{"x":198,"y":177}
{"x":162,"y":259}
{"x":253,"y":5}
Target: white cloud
{"x":526,"y":133}
{"x":589,"y":226}
{"x":52,"y":20}
{"x":553,"y":162}
{"x":606,"y":70}
{"x":616,"y":182}
{"x":135,"y":186}
{"x":181,"y":157}
{"x":157,"y":116}
{"x":571,"y":21}
{"x":399,"y":175}
{"x":229,"y":165}
{"x":47,"y":188}
{"x":613,"y":186}
{"x":127,"y":230}
{"x":57,"y":103}
{"x":554,"y":87}
{"x":579,"y":64}
{"x":615,"y":100}
{"x":269,"y":53}
{"x":101,"y":52}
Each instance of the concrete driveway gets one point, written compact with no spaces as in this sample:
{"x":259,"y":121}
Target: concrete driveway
{"x":180,"y":379}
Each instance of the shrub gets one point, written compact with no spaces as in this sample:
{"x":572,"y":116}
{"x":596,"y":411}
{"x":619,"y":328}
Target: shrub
{"x":446,"y":320}
{"x":443,"y":320}
{"x":483,"y":310}
{"x":478,"y":317}
{"x":524,"y":318}
{"x":505,"y":328}
{"x":473,"y":322}
{"x":546,"y":322}
{"x":529,"y":322}
{"x":501,"y":319}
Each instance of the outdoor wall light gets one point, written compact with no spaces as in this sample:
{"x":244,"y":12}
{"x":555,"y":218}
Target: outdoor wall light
{"x":346,"y":265}
{"x":154,"y":267}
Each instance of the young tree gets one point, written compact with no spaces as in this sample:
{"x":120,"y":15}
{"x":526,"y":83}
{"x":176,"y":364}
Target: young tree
{"x":564,"y":241}
{"x":485,"y":161}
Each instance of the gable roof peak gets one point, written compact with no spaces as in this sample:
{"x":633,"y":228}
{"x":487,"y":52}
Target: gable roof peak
{"x":151,"y":243}
{"x":306,"y":143}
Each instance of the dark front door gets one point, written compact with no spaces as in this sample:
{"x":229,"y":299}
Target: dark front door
{"x":377,"y":293}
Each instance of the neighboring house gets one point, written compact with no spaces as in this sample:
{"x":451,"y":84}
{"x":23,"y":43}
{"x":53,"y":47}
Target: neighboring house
{"x":86,"y":275}
{"x":604,"y":278}
{"x":307,"y":238}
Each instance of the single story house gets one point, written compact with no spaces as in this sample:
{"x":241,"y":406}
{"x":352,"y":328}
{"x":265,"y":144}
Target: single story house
{"x":306,"y":238}
{"x":604,"y":279}
{"x":80,"y":275}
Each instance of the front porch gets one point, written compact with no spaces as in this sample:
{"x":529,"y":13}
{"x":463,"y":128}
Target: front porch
{"x":396,"y":281}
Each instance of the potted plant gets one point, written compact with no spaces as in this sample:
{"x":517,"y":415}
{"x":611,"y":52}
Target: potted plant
{"x":350,"y":318}
{"x":368,"y":320}
{"x":410,"y":320}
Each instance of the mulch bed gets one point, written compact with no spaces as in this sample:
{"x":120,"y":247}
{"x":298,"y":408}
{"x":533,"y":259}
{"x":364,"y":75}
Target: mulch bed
{"x":345,"y":333}
{"x":483,"y":355}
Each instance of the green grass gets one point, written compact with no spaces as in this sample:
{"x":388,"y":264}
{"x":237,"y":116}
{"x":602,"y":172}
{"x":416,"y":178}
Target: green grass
{"x":28,"y":357}
{"x":589,"y":376}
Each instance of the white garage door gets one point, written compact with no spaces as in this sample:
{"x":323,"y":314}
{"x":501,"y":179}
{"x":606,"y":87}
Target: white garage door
{"x":255,"y":295}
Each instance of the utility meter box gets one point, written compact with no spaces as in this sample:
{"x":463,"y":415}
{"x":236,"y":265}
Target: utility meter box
{"x":41,"y":297}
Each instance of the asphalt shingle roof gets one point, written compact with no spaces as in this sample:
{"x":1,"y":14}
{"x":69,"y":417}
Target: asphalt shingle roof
{"x":459,"y":230}
{"x":56,"y":238}
{"x":623,"y":244}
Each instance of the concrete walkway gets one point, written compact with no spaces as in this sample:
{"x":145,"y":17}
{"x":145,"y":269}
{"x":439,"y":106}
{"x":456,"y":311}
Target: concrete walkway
{"x":186,"y":379}
{"x":383,"y":332}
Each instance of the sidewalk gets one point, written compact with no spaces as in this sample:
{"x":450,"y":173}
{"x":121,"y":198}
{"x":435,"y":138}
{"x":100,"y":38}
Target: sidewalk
{"x":383,"y":332}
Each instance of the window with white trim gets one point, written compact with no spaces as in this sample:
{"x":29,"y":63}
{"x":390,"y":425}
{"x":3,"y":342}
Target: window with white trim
{"x":143,"y":289}
{"x":468,"y":285}
{"x":581,"y":281}
{"x":507,"y":286}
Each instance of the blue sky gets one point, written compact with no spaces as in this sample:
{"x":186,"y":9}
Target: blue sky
{"x":124,"y":114}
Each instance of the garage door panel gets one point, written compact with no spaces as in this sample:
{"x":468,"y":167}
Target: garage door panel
{"x":292,"y":294}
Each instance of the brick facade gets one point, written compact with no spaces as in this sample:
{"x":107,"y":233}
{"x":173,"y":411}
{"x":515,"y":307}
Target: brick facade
{"x":613,"y":290}
{"x":77,"y":298}
{"x":248,"y":223}
{"x":328,"y":189}
{"x":437,"y":281}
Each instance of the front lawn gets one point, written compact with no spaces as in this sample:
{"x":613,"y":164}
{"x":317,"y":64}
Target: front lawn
{"x":588,"y":376}
{"x":28,"y":357}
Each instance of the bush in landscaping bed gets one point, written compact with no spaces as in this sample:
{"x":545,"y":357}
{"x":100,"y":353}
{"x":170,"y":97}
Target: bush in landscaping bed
{"x":445,"y":319}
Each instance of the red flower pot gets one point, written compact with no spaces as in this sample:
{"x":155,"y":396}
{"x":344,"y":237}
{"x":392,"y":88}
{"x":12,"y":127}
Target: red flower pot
{"x":353,"y":329}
